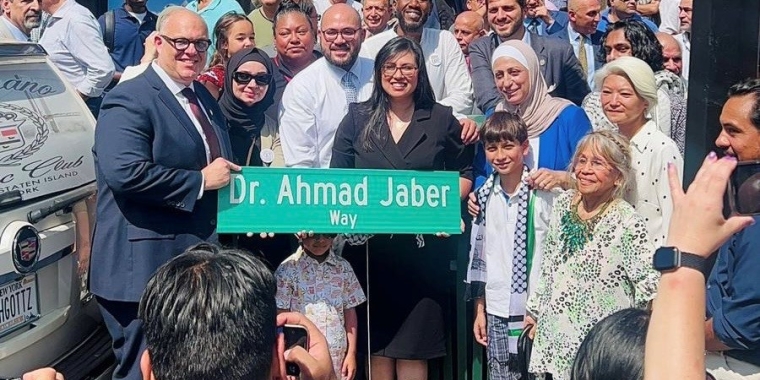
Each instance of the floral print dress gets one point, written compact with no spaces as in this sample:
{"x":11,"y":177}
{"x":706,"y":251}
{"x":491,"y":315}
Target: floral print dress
{"x":612,"y":271}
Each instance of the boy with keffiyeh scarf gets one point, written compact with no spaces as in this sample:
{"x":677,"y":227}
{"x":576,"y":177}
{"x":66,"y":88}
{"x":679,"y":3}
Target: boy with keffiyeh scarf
{"x":509,"y":245}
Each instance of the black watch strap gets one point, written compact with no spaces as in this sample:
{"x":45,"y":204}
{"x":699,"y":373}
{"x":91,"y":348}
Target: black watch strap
{"x":693,"y":261}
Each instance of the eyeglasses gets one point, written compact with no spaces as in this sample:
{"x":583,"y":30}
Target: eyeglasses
{"x":595,"y":164}
{"x":182,"y":44}
{"x":245,"y":78}
{"x":390,"y":69}
{"x":347,"y":33}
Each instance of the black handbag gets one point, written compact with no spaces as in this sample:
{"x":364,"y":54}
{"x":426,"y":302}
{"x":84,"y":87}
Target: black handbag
{"x":524,"y":349}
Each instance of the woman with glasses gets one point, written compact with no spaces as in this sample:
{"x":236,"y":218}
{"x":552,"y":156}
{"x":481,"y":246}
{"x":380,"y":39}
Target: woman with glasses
{"x":597,"y":256}
{"x":402,"y":127}
{"x":232,"y":33}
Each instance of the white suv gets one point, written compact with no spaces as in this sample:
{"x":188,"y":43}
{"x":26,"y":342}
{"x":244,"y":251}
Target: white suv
{"x":47,"y":318}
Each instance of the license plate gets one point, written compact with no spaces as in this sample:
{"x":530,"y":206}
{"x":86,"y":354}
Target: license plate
{"x":18,"y":304}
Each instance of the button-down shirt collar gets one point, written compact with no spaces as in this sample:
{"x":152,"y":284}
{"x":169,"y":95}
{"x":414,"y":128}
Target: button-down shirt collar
{"x":304,"y":260}
{"x":18,"y":35}
{"x":643,"y":136}
{"x":174,"y":86}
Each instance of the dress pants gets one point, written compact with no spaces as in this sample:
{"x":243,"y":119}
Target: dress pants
{"x":127,"y":334}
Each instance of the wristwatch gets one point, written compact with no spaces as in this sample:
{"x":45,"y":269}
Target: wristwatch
{"x":668,"y":259}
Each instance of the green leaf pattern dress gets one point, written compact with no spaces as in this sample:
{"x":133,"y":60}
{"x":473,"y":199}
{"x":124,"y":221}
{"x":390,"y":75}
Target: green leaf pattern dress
{"x":612,"y":271}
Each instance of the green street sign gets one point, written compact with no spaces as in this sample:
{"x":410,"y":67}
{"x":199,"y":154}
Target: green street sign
{"x":288,"y":200}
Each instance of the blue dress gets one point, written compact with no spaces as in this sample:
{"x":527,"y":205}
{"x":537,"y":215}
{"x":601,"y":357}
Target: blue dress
{"x":556,"y":144}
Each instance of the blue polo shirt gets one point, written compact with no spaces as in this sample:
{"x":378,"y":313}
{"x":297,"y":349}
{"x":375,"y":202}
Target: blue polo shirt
{"x":604,"y":20}
{"x":129,"y":37}
{"x":733,"y":295}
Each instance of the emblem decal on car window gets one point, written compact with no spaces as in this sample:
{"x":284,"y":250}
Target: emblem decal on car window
{"x":16,"y":126}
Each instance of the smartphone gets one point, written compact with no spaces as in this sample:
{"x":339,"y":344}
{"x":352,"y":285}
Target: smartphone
{"x":295,"y":335}
{"x":744,"y":188}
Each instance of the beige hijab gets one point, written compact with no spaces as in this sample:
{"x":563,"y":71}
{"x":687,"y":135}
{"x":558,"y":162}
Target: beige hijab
{"x":540,"y":109}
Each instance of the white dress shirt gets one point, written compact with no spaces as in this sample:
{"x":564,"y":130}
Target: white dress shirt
{"x":575,"y":40}
{"x":685,"y":42}
{"x":312,"y":107}
{"x":17,"y":34}
{"x":669,"y":21}
{"x":445,"y":63}
{"x":651,"y":151}
{"x":501,"y":226}
{"x":72,"y":39}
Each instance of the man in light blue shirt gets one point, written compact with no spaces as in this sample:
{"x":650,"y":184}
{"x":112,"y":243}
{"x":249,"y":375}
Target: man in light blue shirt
{"x":623,"y":9}
{"x":211,"y":11}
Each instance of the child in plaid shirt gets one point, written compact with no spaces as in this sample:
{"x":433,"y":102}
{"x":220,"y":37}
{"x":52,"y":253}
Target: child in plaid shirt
{"x":321,"y":285}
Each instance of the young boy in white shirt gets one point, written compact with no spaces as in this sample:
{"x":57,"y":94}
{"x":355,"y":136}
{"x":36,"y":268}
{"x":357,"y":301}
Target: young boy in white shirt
{"x":505,"y":256}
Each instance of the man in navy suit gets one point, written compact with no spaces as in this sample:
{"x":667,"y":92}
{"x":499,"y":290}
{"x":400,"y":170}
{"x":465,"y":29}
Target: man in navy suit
{"x":559,"y":65}
{"x":582,"y":31}
{"x":161,"y":152}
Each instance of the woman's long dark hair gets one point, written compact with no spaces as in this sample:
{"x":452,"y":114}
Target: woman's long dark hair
{"x":644,"y":43}
{"x":614,"y":348}
{"x":378,"y":104}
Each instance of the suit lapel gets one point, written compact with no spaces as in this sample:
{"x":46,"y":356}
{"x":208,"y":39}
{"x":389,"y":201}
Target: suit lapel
{"x":384,"y":143}
{"x":414,"y":134}
{"x":217,"y":121}
{"x":173,"y":105}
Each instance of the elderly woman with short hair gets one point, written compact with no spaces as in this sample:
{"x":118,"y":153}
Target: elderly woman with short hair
{"x":628,"y":94}
{"x":597,"y":257}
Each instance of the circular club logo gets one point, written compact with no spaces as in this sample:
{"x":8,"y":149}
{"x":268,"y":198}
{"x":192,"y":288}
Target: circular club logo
{"x":26,"y":249}
{"x":16,"y":123}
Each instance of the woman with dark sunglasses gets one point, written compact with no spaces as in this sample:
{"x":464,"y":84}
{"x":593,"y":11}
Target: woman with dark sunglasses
{"x":248,"y":92}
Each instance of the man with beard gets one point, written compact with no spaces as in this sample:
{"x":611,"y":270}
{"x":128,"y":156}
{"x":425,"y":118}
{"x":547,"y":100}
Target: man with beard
{"x":444,"y":60}
{"x":559,"y":66}
{"x":19,"y":18}
{"x":124,"y":32}
{"x":316,"y":99}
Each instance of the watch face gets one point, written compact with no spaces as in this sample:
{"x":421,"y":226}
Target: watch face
{"x":665,"y":258}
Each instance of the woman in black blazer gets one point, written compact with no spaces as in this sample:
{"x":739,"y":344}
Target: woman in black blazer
{"x":402,"y":127}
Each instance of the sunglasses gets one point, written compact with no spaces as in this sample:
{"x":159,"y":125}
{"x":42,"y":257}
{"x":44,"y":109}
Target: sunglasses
{"x":245,"y":78}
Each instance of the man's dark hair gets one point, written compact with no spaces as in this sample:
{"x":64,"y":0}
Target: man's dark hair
{"x":288,"y":6}
{"x":644,"y":43}
{"x":210,"y":313}
{"x":614,"y":348}
{"x":521,"y":3}
{"x":749,"y":86}
{"x":504,"y":126}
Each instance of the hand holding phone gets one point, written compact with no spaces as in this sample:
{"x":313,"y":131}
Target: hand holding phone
{"x":744,"y":188}
{"x":295,"y":335}
{"x":313,"y":361}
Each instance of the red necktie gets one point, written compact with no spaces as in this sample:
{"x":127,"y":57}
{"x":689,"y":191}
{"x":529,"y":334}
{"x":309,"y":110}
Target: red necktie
{"x":208,"y":130}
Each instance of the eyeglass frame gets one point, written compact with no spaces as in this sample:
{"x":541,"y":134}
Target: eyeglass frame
{"x":173,"y":42}
{"x":385,"y":70}
{"x":341,"y":33}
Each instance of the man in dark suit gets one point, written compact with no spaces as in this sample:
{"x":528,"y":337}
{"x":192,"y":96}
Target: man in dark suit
{"x":161,"y":150}
{"x":582,"y":31}
{"x":560,"y":67}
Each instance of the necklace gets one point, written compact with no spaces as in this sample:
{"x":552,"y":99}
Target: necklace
{"x":576,"y":232}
